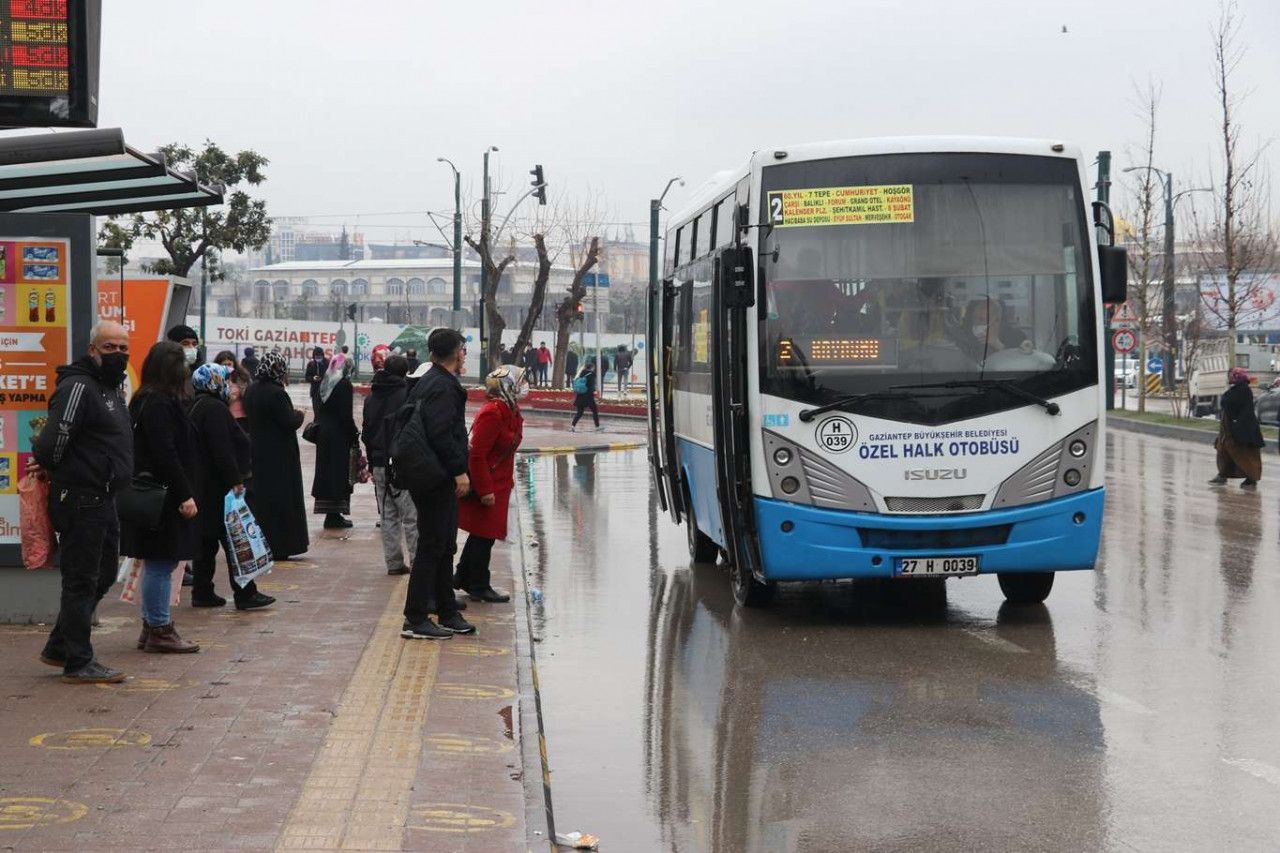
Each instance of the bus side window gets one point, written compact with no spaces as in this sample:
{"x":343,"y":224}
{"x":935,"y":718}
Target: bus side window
{"x":700,"y":319}
{"x":669,"y":253}
{"x":724,"y":223}
{"x":678,"y":334}
{"x":682,"y":245}
{"x":683,"y":357}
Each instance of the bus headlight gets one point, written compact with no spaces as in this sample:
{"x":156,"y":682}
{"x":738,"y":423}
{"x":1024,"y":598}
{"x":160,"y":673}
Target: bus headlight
{"x":1071,"y":477}
{"x":790,"y":485}
{"x":782,"y":456}
{"x":1078,"y":448}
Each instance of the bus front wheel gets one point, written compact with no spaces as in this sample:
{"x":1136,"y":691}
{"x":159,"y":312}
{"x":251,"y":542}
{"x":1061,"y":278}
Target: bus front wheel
{"x":1025,"y":587}
{"x":701,"y":548}
{"x":748,"y":591}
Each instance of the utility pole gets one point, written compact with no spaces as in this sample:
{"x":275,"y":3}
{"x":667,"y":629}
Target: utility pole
{"x":1103,"y":188}
{"x":457,"y":242}
{"x":1169,"y":323}
{"x":484,"y":268}
{"x":204,"y":280}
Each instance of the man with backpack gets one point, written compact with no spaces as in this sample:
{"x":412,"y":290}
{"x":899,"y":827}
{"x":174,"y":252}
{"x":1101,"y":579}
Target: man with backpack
{"x":387,"y":394}
{"x":429,"y":457}
{"x":584,"y":396}
{"x":622,"y":362}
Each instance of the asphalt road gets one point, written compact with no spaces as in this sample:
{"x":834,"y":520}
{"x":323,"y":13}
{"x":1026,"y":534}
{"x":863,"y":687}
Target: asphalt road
{"x":1139,"y":709}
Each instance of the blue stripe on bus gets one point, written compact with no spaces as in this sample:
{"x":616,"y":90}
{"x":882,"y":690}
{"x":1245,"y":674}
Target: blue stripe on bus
{"x":825,"y":544}
{"x":699,"y":466}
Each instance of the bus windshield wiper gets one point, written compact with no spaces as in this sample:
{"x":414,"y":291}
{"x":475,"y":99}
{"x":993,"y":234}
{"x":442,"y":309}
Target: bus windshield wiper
{"x":1006,"y":385}
{"x":807,"y":415}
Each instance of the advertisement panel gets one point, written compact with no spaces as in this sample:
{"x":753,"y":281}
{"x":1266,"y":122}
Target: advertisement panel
{"x":35,"y":303}
{"x":140,"y":305}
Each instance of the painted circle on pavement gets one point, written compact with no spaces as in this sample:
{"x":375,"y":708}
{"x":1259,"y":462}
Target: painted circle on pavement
{"x":458,"y":818}
{"x":446,"y":690}
{"x":91,"y":739}
{"x":466,"y":744}
{"x":837,"y":434}
{"x":30,"y":812}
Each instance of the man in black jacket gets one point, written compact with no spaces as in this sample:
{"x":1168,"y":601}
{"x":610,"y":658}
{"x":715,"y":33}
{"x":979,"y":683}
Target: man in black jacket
{"x":443,"y":410}
{"x":86,"y":448}
{"x":316,"y":369}
{"x":387,"y":393}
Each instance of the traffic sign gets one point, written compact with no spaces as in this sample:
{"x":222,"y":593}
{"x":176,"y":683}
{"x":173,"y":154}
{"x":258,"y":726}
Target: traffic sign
{"x":1154,"y":364}
{"x":1124,"y":341}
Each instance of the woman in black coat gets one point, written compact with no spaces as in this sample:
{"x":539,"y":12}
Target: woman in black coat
{"x":227,"y":455}
{"x":336,"y":437}
{"x":275,"y":492}
{"x":164,"y":446}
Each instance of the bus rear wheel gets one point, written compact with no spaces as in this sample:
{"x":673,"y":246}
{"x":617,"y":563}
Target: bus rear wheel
{"x":748,"y":591}
{"x":1025,"y":587}
{"x":701,"y":548}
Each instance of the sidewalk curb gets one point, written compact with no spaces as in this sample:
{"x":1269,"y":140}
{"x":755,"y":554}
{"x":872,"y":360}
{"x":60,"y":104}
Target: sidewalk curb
{"x":586,"y":448}
{"x":539,"y":816}
{"x":1198,"y":436}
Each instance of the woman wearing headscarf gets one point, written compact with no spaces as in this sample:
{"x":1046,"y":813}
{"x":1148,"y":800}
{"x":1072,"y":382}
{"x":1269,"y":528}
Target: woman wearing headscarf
{"x":1239,"y":442}
{"x":495,"y":437}
{"x":164,"y":446}
{"x":226,"y":454}
{"x":275,"y":492}
{"x":336,"y":437}
{"x":238,"y":379}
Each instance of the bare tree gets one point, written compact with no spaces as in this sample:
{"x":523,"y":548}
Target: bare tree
{"x":1145,"y":291}
{"x":539,"y":296}
{"x":494,"y":266}
{"x":567,"y":310}
{"x":1237,"y":241}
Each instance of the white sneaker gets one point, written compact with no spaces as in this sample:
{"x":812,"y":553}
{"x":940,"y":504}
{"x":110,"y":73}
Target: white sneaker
{"x":599,"y":429}
{"x":573,"y":428}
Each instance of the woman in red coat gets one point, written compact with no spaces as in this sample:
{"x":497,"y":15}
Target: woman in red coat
{"x":495,"y":437}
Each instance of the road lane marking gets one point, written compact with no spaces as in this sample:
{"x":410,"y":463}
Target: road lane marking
{"x":357,"y":793}
{"x":996,"y":642}
{"x":1258,"y":769}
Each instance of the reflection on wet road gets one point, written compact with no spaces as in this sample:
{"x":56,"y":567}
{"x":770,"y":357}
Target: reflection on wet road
{"x":1138,"y":709}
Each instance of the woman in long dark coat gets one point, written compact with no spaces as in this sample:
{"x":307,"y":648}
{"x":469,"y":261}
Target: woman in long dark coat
{"x":336,"y":436}
{"x":227,"y":457}
{"x":164,"y":446}
{"x":275,"y":492}
{"x":1239,"y":442}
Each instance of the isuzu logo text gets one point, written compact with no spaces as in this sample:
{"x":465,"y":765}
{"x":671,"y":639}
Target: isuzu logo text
{"x":935,"y":473}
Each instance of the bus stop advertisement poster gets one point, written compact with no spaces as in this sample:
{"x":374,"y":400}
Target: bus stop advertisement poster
{"x":34,"y":340}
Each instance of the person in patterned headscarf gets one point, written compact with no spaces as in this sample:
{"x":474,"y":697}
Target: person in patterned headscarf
{"x":1239,"y":442}
{"x":275,"y":492}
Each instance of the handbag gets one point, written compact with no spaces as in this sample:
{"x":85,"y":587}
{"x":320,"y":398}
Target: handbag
{"x":310,"y":431}
{"x":141,"y":502}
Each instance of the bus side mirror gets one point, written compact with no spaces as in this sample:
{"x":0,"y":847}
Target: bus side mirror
{"x":1113,"y":264}
{"x":737,"y":277}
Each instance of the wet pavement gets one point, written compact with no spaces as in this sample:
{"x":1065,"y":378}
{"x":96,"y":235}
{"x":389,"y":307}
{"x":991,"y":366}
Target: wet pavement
{"x":1137,"y":710}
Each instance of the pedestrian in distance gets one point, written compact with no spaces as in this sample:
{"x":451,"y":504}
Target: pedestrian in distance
{"x":238,"y":380}
{"x":622,"y":361}
{"x":414,"y":364}
{"x":507,"y":355}
{"x":570,"y":366}
{"x":336,"y":440}
{"x":529,"y":361}
{"x":544,"y":364}
{"x":387,"y":394}
{"x":496,"y":433}
{"x":186,"y":337}
{"x":226,"y":462}
{"x":86,"y":451}
{"x":164,"y":446}
{"x":584,"y":396}
{"x":314,"y":375}
{"x":441,"y":402}
{"x":275,"y":492}
{"x":250,"y":362}
{"x":1239,"y":442}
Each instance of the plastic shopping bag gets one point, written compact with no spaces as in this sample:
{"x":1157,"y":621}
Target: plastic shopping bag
{"x":250,"y":554}
{"x":38,"y":541}
{"x":130,"y":574}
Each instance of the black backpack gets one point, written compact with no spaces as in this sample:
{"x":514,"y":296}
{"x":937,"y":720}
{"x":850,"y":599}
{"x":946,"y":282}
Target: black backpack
{"x":412,"y":463}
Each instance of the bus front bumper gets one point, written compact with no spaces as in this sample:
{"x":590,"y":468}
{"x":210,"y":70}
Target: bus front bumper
{"x":825,"y":544}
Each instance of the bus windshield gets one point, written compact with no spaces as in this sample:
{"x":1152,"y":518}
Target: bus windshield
{"x":892,"y":271}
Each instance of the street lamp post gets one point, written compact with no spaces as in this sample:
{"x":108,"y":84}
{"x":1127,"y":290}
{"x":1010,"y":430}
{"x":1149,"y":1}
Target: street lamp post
{"x":457,"y":239}
{"x":484,"y":268}
{"x":1169,"y":307}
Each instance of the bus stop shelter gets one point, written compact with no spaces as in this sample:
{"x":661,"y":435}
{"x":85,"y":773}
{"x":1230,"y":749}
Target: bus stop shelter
{"x":53,"y":185}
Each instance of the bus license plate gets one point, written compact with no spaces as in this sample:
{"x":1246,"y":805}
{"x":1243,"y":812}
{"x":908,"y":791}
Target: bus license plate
{"x":935,"y":567}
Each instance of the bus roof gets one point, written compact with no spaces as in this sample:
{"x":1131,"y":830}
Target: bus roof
{"x":722,"y":182}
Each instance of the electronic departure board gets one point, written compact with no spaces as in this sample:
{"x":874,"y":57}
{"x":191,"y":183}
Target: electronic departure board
{"x":49,"y":62}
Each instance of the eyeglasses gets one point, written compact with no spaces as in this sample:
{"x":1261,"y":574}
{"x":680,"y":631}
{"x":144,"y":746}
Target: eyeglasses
{"x":112,"y":347}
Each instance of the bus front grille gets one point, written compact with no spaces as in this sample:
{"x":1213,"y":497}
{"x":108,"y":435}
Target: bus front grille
{"x":923,"y":541}
{"x":959,"y":503}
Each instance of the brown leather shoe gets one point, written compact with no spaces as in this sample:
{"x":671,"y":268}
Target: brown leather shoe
{"x":164,"y":639}
{"x":142,"y":638}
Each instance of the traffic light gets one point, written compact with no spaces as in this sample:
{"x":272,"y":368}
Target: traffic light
{"x":351,"y":311}
{"x":539,"y":184}
{"x":578,"y":310}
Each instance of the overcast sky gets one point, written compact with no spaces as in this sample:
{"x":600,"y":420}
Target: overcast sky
{"x":353,"y":102}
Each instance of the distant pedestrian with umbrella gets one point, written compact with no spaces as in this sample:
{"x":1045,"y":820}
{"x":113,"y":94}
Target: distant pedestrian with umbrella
{"x":1239,"y":442}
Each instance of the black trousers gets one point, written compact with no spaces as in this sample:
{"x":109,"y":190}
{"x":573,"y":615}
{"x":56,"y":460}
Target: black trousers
{"x":89,"y":542}
{"x":582,"y":402}
{"x":431,"y":576}
{"x":205,"y":563}
{"x":473,"y":565}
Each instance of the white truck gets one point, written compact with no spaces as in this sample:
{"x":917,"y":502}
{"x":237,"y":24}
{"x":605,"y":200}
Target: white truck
{"x":1208,"y":379}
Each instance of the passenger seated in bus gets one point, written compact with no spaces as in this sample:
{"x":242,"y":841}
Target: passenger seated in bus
{"x":927,"y":322}
{"x":986,"y":320}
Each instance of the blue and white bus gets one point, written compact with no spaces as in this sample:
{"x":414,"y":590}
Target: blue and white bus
{"x":883,"y":358}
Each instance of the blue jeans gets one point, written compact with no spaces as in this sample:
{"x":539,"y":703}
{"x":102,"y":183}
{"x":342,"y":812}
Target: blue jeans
{"x":157,"y":588}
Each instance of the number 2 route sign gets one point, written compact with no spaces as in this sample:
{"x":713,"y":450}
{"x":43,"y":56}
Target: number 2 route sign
{"x":1124,"y":341}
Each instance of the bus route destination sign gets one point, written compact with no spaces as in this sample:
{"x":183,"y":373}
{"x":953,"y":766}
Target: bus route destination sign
{"x":842,"y":206}
{"x":48,"y":62}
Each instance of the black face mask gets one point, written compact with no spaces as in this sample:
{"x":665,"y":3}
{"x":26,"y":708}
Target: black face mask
{"x":114,"y":365}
